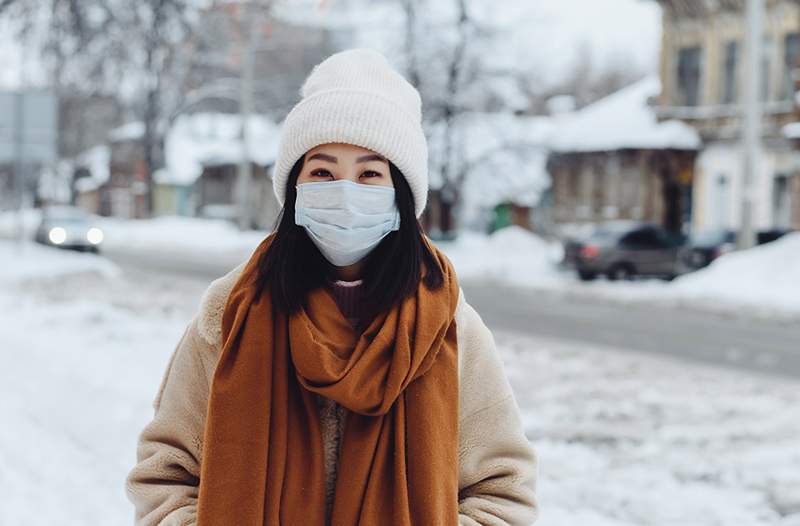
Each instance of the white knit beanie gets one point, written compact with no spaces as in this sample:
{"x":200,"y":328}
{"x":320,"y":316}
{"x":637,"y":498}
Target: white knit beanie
{"x":356,"y":97}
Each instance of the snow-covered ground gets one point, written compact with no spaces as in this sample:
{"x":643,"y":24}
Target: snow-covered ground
{"x":207,"y":238}
{"x":25,"y":262}
{"x":83,"y":348}
{"x":511,"y":255}
{"x":623,"y":439}
{"x":767,"y":276}
{"x":173,"y":234}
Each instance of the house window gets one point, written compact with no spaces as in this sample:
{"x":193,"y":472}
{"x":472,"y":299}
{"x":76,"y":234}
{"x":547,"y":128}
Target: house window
{"x":766,"y":53}
{"x":791,"y":55}
{"x":781,"y":203}
{"x":689,"y":67}
{"x":729,"y":66}
{"x":721,"y":199}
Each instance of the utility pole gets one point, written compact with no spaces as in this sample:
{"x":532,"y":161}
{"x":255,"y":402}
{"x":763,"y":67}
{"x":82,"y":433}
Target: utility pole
{"x":250,"y":23}
{"x":19,"y":162}
{"x":752,"y":119}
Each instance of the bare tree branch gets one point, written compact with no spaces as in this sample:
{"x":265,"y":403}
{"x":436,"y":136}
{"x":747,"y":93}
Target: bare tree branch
{"x":5,"y":4}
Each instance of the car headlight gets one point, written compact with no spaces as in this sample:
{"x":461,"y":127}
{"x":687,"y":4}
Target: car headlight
{"x":57,"y":235}
{"x":94,"y":236}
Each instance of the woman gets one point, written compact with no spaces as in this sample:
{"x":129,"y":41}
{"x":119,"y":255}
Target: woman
{"x":339,"y":376}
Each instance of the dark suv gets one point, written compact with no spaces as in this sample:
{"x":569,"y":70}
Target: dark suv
{"x":704,"y":247}
{"x":623,"y":250}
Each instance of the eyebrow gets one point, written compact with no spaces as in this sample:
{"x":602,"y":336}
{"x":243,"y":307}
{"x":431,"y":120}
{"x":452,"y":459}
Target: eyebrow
{"x":362,"y":159}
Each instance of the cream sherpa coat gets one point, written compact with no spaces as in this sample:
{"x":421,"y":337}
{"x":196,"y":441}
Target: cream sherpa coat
{"x":497,"y":464}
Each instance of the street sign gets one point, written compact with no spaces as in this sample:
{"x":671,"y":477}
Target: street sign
{"x":28,"y":127}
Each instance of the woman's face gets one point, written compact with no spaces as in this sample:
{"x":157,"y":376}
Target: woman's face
{"x":335,"y":161}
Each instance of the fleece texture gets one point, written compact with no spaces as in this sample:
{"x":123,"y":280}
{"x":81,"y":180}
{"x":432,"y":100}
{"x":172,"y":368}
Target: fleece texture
{"x":497,"y":465}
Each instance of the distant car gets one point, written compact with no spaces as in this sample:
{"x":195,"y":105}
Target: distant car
{"x":767,"y":236}
{"x":704,"y":247}
{"x":623,"y":250}
{"x":69,"y":227}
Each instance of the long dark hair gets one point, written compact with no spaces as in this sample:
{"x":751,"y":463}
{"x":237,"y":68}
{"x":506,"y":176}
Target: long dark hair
{"x":292,"y":266}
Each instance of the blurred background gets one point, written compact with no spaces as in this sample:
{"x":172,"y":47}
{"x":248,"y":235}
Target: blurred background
{"x":616,"y":181}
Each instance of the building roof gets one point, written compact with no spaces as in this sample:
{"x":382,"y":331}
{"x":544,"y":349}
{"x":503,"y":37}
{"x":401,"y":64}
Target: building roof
{"x":96,"y":160}
{"x":204,"y":139}
{"x":622,"y":120}
{"x":130,"y":131}
{"x":791,"y":130}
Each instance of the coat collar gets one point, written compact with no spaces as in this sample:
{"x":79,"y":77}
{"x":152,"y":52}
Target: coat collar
{"x":212,"y":305}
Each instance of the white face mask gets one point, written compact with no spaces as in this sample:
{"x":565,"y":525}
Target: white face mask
{"x":346,"y":220}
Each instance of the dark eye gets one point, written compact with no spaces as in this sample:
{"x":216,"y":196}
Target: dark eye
{"x":372,"y":173}
{"x":321,"y":173}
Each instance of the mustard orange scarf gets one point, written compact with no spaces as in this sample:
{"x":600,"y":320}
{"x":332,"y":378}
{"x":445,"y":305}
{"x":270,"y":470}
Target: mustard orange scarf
{"x":262,"y":448}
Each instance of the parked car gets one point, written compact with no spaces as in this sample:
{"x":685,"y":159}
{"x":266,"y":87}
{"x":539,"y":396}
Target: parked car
{"x":704,"y":247}
{"x":69,"y":227}
{"x":767,"y":236}
{"x":623,"y":250}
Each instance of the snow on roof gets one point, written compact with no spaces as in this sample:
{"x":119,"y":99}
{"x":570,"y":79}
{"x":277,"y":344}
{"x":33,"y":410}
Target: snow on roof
{"x":96,"y":161}
{"x":204,"y":139}
{"x":791,"y":130}
{"x":127,"y":132}
{"x":622,"y":120}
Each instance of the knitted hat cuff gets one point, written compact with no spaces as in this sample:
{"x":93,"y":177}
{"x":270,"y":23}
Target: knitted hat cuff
{"x":360,"y":118}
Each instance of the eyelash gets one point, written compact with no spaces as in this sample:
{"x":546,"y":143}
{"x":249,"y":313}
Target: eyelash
{"x":319,"y":173}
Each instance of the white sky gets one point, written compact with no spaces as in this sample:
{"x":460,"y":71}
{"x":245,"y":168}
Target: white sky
{"x":548,"y":38}
{"x":553,"y":32}
{"x":616,"y":29}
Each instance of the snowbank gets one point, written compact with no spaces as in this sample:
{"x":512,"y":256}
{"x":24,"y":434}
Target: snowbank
{"x":204,"y":238}
{"x":27,"y":218}
{"x":82,"y":358}
{"x":511,"y":255}
{"x":764,"y":277}
{"x":28,"y":261}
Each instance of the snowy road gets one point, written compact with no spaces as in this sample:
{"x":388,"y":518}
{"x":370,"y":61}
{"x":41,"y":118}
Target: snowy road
{"x":765,"y":345}
{"x":770,"y":346}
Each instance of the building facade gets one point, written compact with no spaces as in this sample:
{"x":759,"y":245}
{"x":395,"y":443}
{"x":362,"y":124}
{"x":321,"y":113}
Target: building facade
{"x":702,"y":73}
{"x":614,"y":160}
{"x":651,"y":185}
